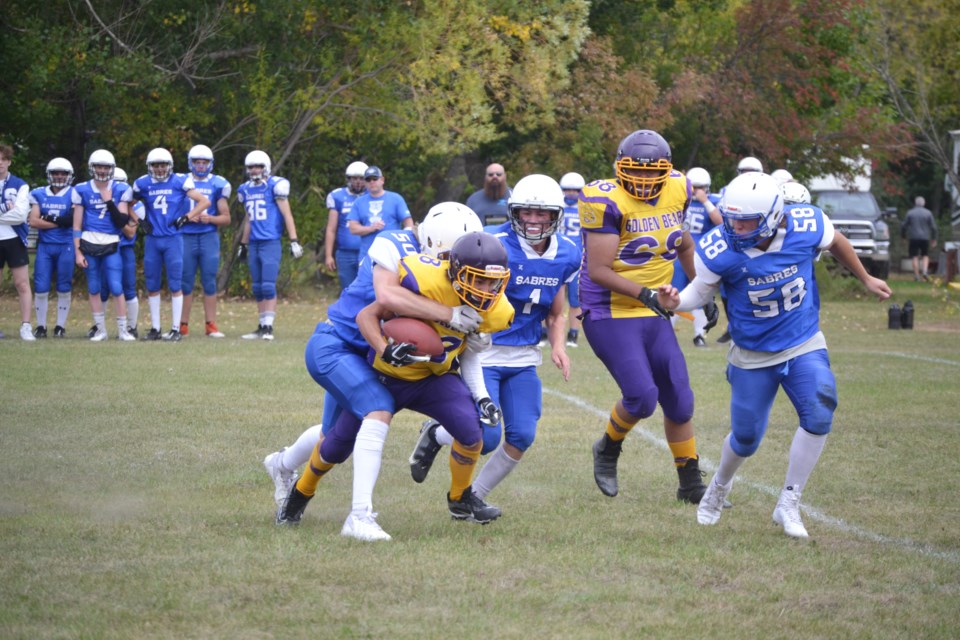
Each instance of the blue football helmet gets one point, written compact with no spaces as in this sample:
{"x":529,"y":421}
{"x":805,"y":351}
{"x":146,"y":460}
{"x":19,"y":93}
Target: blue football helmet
{"x":643,"y":150}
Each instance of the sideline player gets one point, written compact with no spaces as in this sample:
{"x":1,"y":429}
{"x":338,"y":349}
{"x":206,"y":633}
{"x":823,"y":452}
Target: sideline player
{"x":340,"y":247}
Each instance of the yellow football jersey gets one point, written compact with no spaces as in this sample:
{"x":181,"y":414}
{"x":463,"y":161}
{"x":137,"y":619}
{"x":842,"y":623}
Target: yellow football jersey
{"x":650,"y":234}
{"x":428,"y":277}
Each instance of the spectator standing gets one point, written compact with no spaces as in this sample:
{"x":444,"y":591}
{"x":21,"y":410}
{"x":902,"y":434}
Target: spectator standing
{"x":490,"y":202}
{"x":377,"y":210}
{"x":14,"y":211}
{"x":920,"y":230}
{"x":341,"y":248}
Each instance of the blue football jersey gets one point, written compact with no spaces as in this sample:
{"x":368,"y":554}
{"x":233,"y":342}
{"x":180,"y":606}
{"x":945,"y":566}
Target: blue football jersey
{"x":56,"y":205}
{"x":163,"y":201}
{"x":388,"y":248}
{"x":534,"y":282}
{"x":571,"y":224}
{"x":698,"y":222}
{"x":215,"y":188}
{"x":260,"y":203}
{"x":96,"y":218}
{"x":772,"y":298}
{"x":341,"y":200}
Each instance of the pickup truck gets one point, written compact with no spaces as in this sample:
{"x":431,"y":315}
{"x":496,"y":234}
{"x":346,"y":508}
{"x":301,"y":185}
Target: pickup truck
{"x":857,"y":215}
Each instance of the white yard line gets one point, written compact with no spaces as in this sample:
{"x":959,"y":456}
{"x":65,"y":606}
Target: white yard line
{"x":812,"y":513}
{"x":910,"y":356}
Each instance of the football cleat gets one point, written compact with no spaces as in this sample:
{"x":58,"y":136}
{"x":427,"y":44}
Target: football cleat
{"x":171,"y":336}
{"x":153,"y":334}
{"x":267,"y":332}
{"x":691,"y":482}
{"x":472,"y":508}
{"x":699,"y":341}
{"x":283,"y":480}
{"x":572,"y":339}
{"x":425,"y":452}
{"x":40,"y":332}
{"x":133,"y":331}
{"x":26,"y":332}
{"x":184,"y":329}
{"x":787,"y":514}
{"x":713,"y":502}
{"x":605,"y":455}
{"x":125,"y":336}
{"x":725,"y":338}
{"x":291,"y":511}
{"x":99,"y":336}
{"x":363,"y":525}
{"x":92,"y":331}
{"x":253,"y":335}
{"x":213,"y":331}
{"x":59,"y":332}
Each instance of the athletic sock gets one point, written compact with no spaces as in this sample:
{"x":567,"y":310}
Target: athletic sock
{"x":497,"y":467}
{"x":729,"y":463}
{"x":133,"y":311}
{"x":176,"y":302}
{"x":315,"y":469}
{"x":619,"y":423}
{"x":804,"y":453}
{"x":40,"y":302}
{"x":462,"y":462}
{"x":154,"y":303}
{"x":63,"y":308}
{"x":298,"y":454}
{"x":367,"y":455}
{"x":683,"y":451}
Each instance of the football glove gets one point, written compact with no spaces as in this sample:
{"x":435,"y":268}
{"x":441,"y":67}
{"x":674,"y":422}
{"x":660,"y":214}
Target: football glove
{"x":295,"y":249}
{"x":400,"y":354}
{"x":146,"y":226}
{"x":649,"y":298}
{"x":712,"y":311}
{"x":181,"y":221}
{"x":489,"y":412}
{"x":465,"y":319}
{"x":478,"y":342}
{"x":242,"y":252}
{"x":64,"y":222}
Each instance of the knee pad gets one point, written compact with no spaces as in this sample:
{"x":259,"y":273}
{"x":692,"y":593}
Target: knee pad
{"x":820,"y":420}
{"x":744,"y":445}
{"x":268,"y":290}
{"x":641,"y":406}
{"x":257,"y":292}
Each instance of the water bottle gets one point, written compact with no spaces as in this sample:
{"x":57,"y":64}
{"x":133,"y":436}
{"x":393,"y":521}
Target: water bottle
{"x":906,"y":315}
{"x":893,"y":316}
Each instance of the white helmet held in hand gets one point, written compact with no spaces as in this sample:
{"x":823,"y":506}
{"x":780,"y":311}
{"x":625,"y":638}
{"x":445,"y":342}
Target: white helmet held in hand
{"x":699,"y":177}
{"x":59,"y":165}
{"x":104,"y":160}
{"x":536,"y":191}
{"x":572,"y":181}
{"x":749,"y":164}
{"x":200,"y":152}
{"x":751,"y":196}
{"x":444,"y":224}
{"x":795,"y":193}
{"x":159,"y":164}
{"x":257,"y":159}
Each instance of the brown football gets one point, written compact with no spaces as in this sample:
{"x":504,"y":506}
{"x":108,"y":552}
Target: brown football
{"x":416,"y":332}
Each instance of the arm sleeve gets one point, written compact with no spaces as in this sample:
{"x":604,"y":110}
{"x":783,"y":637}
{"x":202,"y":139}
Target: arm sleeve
{"x":696,"y":294}
{"x":471,"y":369}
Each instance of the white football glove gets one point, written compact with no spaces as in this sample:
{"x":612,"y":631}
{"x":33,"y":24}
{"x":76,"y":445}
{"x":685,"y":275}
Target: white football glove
{"x":464,"y":319}
{"x":295,"y":249}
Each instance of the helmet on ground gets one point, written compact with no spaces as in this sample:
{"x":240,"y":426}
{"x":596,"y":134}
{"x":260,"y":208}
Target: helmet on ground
{"x":200,"y":152}
{"x":572,"y":181}
{"x":443,"y":225}
{"x":782,"y":176}
{"x":479,"y":269}
{"x":537,"y":192}
{"x":699,"y":177}
{"x":159,"y":164}
{"x":120,"y":175}
{"x":751,"y":196}
{"x":257,"y":158}
{"x":795,"y":193}
{"x":643,"y":150}
{"x":104,"y":160}
{"x":60,"y":165}
{"x":356,"y":169}
{"x":749,"y":164}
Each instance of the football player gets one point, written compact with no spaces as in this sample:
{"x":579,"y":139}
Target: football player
{"x":571,"y":183}
{"x":342,"y":248}
{"x":543,"y":263}
{"x":336,"y":357}
{"x":633,"y":233}
{"x":265,"y":198}
{"x":474,"y":275}
{"x":764,"y":256}
{"x":201,"y":239}
{"x":51,"y":212}
{"x":14,"y":214}
{"x":164,"y":195}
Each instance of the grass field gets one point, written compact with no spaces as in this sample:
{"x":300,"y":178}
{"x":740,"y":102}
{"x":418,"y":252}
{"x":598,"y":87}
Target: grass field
{"x":134,"y":502}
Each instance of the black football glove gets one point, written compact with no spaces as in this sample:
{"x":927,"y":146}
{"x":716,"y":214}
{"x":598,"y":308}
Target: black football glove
{"x":181,"y":221}
{"x":119,"y":219}
{"x":400,"y":354}
{"x":649,"y":298}
{"x":64,"y":222}
{"x":490,"y":413}
{"x":146,"y":226}
{"x":712,"y":311}
{"x":242,"y":252}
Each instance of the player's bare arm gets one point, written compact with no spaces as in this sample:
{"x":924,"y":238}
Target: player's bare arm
{"x":843,"y":251}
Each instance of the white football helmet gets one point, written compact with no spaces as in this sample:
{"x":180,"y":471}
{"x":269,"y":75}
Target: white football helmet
{"x":356,"y":169}
{"x":59,"y":165}
{"x":257,"y":159}
{"x":751,"y":196}
{"x":200,"y":152}
{"x":749,"y":164}
{"x":795,"y":193}
{"x":119,"y":175}
{"x":782,"y":176}
{"x":444,"y":224}
{"x":159,"y":164}
{"x":699,"y":177}
{"x":101,"y":165}
{"x":572,"y":181}
{"x":536,"y":191}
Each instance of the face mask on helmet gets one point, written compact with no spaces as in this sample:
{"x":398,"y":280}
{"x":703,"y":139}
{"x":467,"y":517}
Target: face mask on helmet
{"x":536,"y":193}
{"x":257,"y":164}
{"x":59,"y":173}
{"x":101,"y":165}
{"x":571,"y":184}
{"x":795,"y":193}
{"x":479,"y":270}
{"x":643,"y":164}
{"x":750,"y":197}
{"x":200,"y":160}
{"x":159,"y":164}
{"x":443,"y":225}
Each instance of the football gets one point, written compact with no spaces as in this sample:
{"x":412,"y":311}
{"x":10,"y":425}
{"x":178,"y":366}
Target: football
{"x":416,"y":332}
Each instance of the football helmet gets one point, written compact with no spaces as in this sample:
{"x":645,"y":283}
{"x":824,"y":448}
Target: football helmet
{"x":749,"y":164}
{"x":200,"y":152}
{"x":59,"y":165}
{"x":572,"y":181}
{"x":119,"y":175}
{"x":478,"y":269}
{"x":751,"y":196}
{"x":159,"y":164}
{"x":782,"y":176}
{"x":443,"y":225}
{"x":795,"y":193}
{"x":541,"y":192}
{"x":643,"y":150}
{"x":257,"y":158}
{"x":356,"y":169}
{"x":101,"y":165}
{"x":699,"y":177}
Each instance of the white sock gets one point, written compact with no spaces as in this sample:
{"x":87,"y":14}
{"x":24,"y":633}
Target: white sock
{"x":154,"y":303}
{"x":177,"y":303}
{"x":729,"y":463}
{"x":699,"y":321}
{"x":268,"y":318}
{"x":133,"y":311}
{"x":63,"y":308}
{"x":40,"y":301}
{"x":367,"y":454}
{"x":443,"y":436}
{"x":804,"y":453}
{"x":122,"y":324}
{"x":498,"y":467}
{"x":98,"y":319}
{"x":298,"y":454}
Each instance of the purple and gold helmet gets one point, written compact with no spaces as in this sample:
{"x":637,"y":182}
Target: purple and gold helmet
{"x":479,"y":269}
{"x":645,"y":151}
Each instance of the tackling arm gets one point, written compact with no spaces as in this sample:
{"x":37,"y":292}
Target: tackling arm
{"x":404,"y":302}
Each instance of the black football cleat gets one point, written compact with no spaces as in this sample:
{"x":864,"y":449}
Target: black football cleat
{"x":92,"y":331}
{"x":40,"y":332}
{"x":153,"y":334}
{"x":290,"y":513}
{"x":606,"y":452}
{"x":171,"y":336}
{"x":691,"y":482}
{"x":471,"y":508}
{"x":425,"y":452}
{"x":59,"y":332}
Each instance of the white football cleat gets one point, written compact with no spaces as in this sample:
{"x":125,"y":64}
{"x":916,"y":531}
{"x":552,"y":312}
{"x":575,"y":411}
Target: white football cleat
{"x":283,"y":480}
{"x":787,"y":514}
{"x":712,"y":503}
{"x":99,"y":336}
{"x":362,"y":525}
{"x":26,"y":332}
{"x":126,"y":336}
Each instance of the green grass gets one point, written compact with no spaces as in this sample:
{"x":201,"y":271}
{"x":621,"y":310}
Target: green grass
{"x":134,"y":502}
